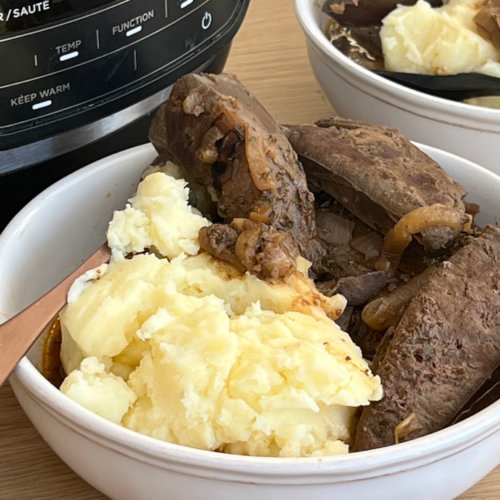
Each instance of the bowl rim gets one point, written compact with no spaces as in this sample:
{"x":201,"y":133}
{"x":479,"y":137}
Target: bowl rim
{"x":366,"y":464}
{"x":476,"y":115}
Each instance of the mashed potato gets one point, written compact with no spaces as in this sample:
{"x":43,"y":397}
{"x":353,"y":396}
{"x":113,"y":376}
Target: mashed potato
{"x":182,"y":347}
{"x":158,"y":218}
{"x":441,"y":41}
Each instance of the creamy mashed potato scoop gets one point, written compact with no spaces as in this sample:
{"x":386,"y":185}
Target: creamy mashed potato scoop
{"x":437,"y":41}
{"x":182,"y":347}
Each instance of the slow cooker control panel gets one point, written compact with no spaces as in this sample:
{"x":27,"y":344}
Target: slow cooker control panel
{"x":77,"y":62}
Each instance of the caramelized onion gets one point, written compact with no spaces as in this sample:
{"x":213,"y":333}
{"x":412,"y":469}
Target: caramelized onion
{"x":51,"y":353}
{"x":260,"y":214}
{"x":241,"y":224}
{"x":193,"y":104}
{"x":228,"y":119}
{"x":381,"y":313}
{"x":255,"y":151}
{"x":208,"y":151}
{"x":246,"y":244}
{"x":405,"y":427}
{"x":416,"y":221}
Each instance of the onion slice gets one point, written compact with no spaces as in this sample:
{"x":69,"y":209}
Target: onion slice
{"x":255,"y":150}
{"x":383,"y":312}
{"x":399,"y":237}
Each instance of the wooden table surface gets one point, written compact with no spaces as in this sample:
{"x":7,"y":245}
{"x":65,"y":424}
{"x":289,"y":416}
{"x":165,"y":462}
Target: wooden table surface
{"x":269,"y":57}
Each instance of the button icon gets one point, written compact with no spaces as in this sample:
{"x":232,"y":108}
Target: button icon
{"x":134,"y":31}
{"x":43,"y":104}
{"x":69,"y":55}
{"x":206,"y":21}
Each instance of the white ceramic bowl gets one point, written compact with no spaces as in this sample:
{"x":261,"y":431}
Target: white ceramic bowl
{"x":472,"y":132}
{"x":61,"y":227}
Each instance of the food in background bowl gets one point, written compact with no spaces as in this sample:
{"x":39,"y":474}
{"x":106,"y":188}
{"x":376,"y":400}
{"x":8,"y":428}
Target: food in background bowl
{"x":421,"y":37}
{"x":362,"y":94}
{"x":454,"y":36}
{"x":440,"y":41}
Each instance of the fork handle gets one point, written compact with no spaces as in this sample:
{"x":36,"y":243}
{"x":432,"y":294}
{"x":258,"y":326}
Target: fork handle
{"x":19,"y":333}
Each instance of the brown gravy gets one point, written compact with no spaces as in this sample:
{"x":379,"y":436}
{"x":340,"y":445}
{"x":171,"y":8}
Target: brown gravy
{"x":52,"y":368}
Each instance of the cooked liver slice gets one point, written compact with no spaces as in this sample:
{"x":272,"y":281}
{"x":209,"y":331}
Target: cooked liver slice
{"x":226,"y":141}
{"x":444,"y":348}
{"x":375,"y":173}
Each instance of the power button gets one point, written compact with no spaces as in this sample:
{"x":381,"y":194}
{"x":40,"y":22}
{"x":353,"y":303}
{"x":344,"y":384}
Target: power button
{"x":206,"y":20}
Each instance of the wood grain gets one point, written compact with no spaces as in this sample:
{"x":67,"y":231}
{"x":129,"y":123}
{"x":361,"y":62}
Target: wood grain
{"x":269,"y":57}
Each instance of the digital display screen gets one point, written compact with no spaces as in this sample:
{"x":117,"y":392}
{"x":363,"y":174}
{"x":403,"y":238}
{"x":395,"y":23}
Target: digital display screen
{"x":17,"y":15}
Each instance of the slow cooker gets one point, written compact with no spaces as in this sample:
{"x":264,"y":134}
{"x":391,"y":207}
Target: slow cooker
{"x":80,"y":79}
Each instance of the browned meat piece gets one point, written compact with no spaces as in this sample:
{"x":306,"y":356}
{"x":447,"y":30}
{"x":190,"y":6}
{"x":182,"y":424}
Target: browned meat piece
{"x":487,"y":21}
{"x":225,"y":140}
{"x":445,"y":347}
{"x":376,"y":173}
{"x":357,"y":290}
{"x":365,"y":12}
{"x":340,"y":262}
{"x":220,"y":240}
{"x":261,"y":249}
{"x":362,"y":44}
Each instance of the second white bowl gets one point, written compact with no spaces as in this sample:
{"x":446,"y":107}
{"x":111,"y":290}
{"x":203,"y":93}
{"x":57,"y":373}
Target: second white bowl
{"x":472,"y":132}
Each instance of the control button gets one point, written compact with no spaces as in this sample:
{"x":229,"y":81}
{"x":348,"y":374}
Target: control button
{"x":125,"y":24}
{"x":36,"y":99}
{"x":186,"y":3}
{"x":206,"y":20}
{"x":63,"y":47}
{"x":40,"y":53}
{"x":131,"y":24}
{"x":28,"y":100}
{"x":72,"y":46}
{"x":68,"y":50}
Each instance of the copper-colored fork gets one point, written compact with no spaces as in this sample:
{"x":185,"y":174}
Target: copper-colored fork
{"x":18,"y":333}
